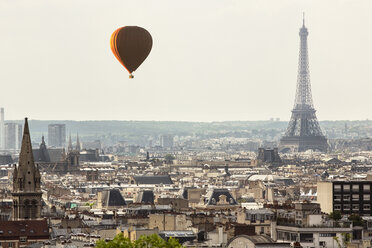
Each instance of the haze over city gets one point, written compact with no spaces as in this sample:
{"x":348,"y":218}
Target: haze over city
{"x":185,"y":124}
{"x":211,"y":60}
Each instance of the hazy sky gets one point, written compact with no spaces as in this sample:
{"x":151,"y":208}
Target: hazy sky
{"x":211,"y":60}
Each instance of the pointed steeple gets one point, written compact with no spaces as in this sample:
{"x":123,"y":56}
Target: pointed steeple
{"x":26,"y":148}
{"x":43,"y":152}
{"x":77,"y":143}
{"x":26,"y":183}
{"x":70,"y":147}
{"x":42,"y":145}
{"x":27,"y":173}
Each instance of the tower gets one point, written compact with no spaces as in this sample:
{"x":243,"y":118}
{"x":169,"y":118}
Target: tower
{"x":78,"y":147}
{"x":70,"y":147}
{"x":26,"y":183}
{"x":303,"y":132}
{"x":2,"y":129}
{"x":43,"y":152}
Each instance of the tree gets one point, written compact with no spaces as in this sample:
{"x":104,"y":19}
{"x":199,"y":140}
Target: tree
{"x":336,"y":215}
{"x":346,"y":237}
{"x":169,"y":159}
{"x":152,"y":241}
{"x":356,"y":219}
{"x":90,"y":204}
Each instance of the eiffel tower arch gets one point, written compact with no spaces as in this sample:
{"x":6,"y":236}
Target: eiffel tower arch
{"x":303,"y":132}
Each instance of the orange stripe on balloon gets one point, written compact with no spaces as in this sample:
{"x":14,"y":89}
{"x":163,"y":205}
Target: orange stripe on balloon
{"x":114,"y":48}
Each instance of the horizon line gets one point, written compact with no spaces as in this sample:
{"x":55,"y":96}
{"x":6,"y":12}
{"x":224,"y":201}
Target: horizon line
{"x":213,"y":121}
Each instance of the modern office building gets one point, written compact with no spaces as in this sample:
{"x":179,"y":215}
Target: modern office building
{"x":166,"y":141}
{"x":348,"y":197}
{"x":12,"y":136}
{"x":2,"y":129}
{"x":56,"y":135}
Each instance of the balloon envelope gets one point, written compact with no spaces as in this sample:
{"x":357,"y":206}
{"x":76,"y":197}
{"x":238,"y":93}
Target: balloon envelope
{"x":131,"y":45}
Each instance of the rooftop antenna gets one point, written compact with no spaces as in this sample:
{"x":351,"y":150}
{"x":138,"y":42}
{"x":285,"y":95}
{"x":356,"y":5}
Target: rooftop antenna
{"x":303,"y":19}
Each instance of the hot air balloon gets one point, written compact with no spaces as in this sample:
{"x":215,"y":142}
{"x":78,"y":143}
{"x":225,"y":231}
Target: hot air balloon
{"x":131,"y":45}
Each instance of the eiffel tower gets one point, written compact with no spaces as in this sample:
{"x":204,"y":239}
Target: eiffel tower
{"x":303,"y":132}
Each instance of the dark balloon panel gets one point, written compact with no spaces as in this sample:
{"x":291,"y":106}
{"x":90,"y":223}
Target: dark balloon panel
{"x":131,"y":45}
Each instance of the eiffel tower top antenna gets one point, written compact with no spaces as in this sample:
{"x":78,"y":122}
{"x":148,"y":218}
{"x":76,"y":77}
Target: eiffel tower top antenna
{"x":303,"y":19}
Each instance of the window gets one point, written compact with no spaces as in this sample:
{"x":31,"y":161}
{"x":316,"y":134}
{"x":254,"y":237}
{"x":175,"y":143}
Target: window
{"x":367,"y":207}
{"x":253,"y":218}
{"x":366,"y":197}
{"x":10,"y":244}
{"x":346,"y":197}
{"x":306,"y":237}
{"x":337,"y":207}
{"x":262,"y":217}
{"x":33,"y":209}
{"x":347,"y":187}
{"x":366,"y":187}
{"x":355,"y":187}
{"x":22,"y":239}
{"x":337,"y":198}
{"x":322,"y":243}
{"x":355,"y":197}
{"x":346,"y":207}
{"x":327,"y":234}
{"x":293,"y":236}
{"x":337,"y":187}
{"x":355,"y":207}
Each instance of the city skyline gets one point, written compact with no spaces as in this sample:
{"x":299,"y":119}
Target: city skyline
{"x":68,"y":51}
{"x":213,"y":123}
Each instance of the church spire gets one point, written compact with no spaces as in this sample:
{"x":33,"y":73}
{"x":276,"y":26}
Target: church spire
{"x":28,"y":175}
{"x":77,"y":143}
{"x":26,"y":156}
{"x":26,"y":182}
{"x":70,"y":147}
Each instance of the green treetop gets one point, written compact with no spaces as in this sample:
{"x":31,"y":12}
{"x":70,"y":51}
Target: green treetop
{"x":152,"y":241}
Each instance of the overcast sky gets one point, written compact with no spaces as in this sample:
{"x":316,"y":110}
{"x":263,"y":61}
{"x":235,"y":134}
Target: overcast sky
{"x":212,"y":60}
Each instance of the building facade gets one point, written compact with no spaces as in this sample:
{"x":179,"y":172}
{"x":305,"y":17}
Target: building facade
{"x":348,"y":197}
{"x":166,"y":141}
{"x":56,"y":135}
{"x":2,"y":130}
{"x":12,"y":136}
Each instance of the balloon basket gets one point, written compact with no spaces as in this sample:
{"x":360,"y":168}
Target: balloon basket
{"x":131,"y":76}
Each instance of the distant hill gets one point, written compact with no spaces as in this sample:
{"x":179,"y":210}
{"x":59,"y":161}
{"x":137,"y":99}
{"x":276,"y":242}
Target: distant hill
{"x":140,"y":131}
